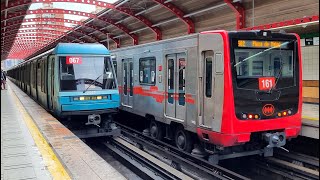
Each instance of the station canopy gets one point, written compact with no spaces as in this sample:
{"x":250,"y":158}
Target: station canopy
{"x":29,"y":27}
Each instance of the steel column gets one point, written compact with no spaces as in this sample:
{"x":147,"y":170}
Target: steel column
{"x":238,"y":8}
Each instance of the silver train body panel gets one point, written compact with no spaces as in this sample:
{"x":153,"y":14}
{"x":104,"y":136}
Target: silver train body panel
{"x":181,"y":68}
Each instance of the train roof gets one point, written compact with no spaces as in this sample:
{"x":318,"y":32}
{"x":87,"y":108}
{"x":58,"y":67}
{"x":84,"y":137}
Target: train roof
{"x":78,"y":48}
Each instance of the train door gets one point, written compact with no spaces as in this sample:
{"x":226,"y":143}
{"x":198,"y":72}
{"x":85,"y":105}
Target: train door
{"x":208,"y":100}
{"x":50,"y":82}
{"x":175,"y":86}
{"x":127,"y":94}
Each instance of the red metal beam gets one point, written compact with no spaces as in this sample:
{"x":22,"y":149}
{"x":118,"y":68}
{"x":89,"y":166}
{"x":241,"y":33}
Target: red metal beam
{"x":143,"y":19}
{"x":123,"y":10}
{"x":47,"y":11}
{"x":120,"y":26}
{"x":39,"y":32}
{"x":106,"y":32}
{"x":15,"y":3}
{"x":62,"y":20}
{"x":43,"y":26}
{"x":179,"y":13}
{"x":33,"y":31}
{"x":289,"y":23}
{"x":238,"y":8}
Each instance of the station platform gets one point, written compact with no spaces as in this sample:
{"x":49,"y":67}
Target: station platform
{"x":35,"y":145}
{"x":310,"y":120}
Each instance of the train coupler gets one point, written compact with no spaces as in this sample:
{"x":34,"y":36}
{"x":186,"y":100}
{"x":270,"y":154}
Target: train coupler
{"x":94,"y":119}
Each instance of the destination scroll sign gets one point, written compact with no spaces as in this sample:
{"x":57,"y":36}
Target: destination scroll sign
{"x":261,"y":44}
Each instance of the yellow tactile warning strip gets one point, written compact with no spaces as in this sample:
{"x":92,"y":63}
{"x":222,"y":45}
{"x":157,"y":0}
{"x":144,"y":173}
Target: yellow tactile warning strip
{"x":310,"y":118}
{"x":52,"y":162}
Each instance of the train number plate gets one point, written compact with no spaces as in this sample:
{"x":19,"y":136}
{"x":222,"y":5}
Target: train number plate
{"x":74,"y":60}
{"x":266,"y":83}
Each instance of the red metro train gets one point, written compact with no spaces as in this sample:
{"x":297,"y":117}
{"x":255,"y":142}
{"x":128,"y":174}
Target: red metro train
{"x":235,"y":93}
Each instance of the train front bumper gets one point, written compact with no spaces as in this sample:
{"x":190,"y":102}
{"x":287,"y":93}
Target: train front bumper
{"x":227,"y":140}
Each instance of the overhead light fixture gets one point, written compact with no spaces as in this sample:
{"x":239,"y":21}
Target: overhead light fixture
{"x":304,"y":25}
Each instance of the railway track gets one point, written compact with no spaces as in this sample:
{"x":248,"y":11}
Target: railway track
{"x":299,"y":159}
{"x":142,"y":163}
{"x":282,"y":168}
{"x":194,"y":167}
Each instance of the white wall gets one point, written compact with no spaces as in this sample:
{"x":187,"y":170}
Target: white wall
{"x":310,"y":62}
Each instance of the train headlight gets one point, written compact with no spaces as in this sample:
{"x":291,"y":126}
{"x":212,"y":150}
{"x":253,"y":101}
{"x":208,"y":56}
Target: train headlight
{"x":279,"y":114}
{"x":99,"y":97}
{"x":81,"y":98}
{"x":289,"y":112}
{"x":284,"y":113}
{"x":76,"y":98}
{"x":244,"y":116}
{"x":250,"y":116}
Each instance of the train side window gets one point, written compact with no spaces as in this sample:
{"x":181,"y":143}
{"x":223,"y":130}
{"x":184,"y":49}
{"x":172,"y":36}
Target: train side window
{"x":42,"y":76}
{"x":125,"y":81}
{"x":170,"y":81}
{"x":218,"y":63}
{"x":147,"y":70}
{"x":114,"y":62}
{"x":182,"y":81}
{"x":208,"y":72}
{"x":34,"y":77}
{"x":131,"y":78}
{"x":38,"y":74}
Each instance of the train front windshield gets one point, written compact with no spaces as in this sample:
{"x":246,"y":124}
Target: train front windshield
{"x":262,"y":65}
{"x":86,"y":73}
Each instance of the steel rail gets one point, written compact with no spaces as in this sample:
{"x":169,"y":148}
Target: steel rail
{"x":180,"y":156}
{"x":286,"y":169}
{"x":142,"y":165}
{"x":293,"y":157}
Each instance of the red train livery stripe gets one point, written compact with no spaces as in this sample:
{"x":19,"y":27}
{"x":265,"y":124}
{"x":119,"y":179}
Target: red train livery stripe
{"x":154,"y":92}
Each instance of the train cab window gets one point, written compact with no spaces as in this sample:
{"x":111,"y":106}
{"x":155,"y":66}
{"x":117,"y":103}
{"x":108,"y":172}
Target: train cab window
{"x":92,"y":73}
{"x":208,"y":72}
{"x":182,"y":81}
{"x":147,"y":70}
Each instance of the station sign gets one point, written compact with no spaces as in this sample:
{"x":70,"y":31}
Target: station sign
{"x":74,"y":60}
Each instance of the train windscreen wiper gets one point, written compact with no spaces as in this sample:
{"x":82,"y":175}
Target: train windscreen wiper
{"x":92,"y":83}
{"x":280,"y":69}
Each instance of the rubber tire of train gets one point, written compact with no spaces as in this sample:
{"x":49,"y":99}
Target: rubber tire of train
{"x":188,"y":145}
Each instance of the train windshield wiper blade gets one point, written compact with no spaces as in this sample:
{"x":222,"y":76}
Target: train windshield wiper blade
{"x":280,"y":69}
{"x":92,"y":83}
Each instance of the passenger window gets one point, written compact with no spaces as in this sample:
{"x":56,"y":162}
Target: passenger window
{"x":147,"y":70}
{"x":170,"y":81}
{"x":219,"y":63}
{"x":39,"y":74}
{"x":131,"y":78}
{"x":182,"y":81}
{"x":115,"y":66}
{"x":208,"y":72}
{"x":42,"y":76}
{"x":125,"y":85}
